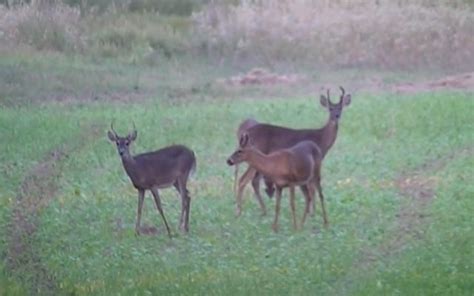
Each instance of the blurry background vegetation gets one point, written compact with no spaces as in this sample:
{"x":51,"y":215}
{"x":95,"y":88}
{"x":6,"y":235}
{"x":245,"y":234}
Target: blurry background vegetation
{"x":333,"y":34}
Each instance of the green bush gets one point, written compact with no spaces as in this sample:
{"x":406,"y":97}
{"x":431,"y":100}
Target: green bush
{"x":168,"y":7}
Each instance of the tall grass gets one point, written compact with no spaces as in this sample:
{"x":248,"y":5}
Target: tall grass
{"x":52,"y":27}
{"x":370,"y":34}
{"x":342,"y":33}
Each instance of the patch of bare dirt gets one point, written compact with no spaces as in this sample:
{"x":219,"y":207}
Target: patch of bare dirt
{"x":38,"y":188}
{"x":264,"y":77}
{"x":463,"y":81}
{"x":418,"y":187}
{"x":261,"y":76}
{"x":125,"y":97}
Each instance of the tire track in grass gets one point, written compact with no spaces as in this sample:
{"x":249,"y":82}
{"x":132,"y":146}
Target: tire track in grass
{"x":417,"y":191}
{"x":37,"y":189}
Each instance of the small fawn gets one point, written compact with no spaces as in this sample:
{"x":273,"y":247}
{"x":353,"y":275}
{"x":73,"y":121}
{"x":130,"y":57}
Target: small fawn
{"x":298,"y":165}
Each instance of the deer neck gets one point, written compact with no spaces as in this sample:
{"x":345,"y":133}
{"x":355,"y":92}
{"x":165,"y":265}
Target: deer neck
{"x":129,"y":164}
{"x":261,"y":162}
{"x":328,"y":135}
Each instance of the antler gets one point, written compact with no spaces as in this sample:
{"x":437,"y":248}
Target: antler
{"x":343,"y":93}
{"x":134,"y":127}
{"x":329,"y":99}
{"x":112,"y":128}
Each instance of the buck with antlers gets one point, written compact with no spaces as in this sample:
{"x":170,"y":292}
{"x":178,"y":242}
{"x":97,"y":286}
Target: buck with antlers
{"x":169,"y":166}
{"x":298,"y":165}
{"x":268,"y":138}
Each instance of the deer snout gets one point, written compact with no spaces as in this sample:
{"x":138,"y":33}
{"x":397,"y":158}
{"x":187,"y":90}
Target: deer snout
{"x":230,"y":161}
{"x":121,"y":151}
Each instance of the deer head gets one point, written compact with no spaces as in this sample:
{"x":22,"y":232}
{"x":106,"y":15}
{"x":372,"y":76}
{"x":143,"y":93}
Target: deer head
{"x":335,"y":109}
{"x":123,"y":143}
{"x":241,"y":154}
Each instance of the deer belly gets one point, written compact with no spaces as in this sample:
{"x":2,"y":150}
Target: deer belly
{"x":165,"y":185}
{"x":288,"y":180}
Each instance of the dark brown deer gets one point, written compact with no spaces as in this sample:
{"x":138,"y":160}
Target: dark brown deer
{"x":169,"y":166}
{"x":268,"y":138}
{"x":298,"y":165}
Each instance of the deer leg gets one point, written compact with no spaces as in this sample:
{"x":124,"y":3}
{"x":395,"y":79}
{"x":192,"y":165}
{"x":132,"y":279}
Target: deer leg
{"x":293,"y":207}
{"x":141,"y":197}
{"x":277,"y":209}
{"x":321,"y":198}
{"x":236,"y":175}
{"x":256,"y":189}
{"x":156,"y":196}
{"x":269,"y":188}
{"x":185,"y":206}
{"x":176,"y":185}
{"x":244,"y":180}
{"x":312,"y":191}
{"x":188,"y":207}
{"x":308,"y":198}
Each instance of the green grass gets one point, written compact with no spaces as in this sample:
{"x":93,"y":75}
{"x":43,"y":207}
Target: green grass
{"x":86,"y":235}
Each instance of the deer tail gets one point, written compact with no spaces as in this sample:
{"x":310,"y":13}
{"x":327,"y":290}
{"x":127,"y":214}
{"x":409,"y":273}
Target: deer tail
{"x":193,"y":165}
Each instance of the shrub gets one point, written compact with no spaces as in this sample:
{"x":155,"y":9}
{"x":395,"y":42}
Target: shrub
{"x":125,"y":34}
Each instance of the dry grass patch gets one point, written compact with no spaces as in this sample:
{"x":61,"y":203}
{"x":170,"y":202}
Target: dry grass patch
{"x":342,"y":34}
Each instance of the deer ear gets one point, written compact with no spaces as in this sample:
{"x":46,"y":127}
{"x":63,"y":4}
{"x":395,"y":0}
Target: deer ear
{"x":111,"y":136}
{"x":244,"y":139}
{"x":324,"y":101}
{"x":347,"y":99}
{"x":133,"y":135}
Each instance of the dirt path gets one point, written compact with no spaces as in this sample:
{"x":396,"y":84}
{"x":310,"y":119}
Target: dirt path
{"x":38,"y":188}
{"x":417,"y":191}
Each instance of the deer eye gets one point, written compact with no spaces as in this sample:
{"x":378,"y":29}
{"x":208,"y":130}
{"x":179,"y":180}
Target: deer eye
{"x":127,"y":143}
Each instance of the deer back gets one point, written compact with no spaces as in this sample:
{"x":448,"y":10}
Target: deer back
{"x":294,"y":165}
{"x":303,"y":157}
{"x":160,"y":168}
{"x":245,"y":125}
{"x":268,"y":138}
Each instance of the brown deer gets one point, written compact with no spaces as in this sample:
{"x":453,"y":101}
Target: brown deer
{"x":243,"y":127}
{"x":169,"y":166}
{"x":298,"y":165}
{"x":268,"y":138}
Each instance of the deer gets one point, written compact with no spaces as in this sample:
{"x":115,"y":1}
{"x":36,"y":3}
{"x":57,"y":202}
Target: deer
{"x":299,"y":165}
{"x":268,"y":138}
{"x":243,"y":127}
{"x":163,"y":168}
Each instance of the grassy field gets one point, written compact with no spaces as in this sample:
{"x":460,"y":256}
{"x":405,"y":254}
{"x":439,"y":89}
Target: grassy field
{"x":398,"y":185}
